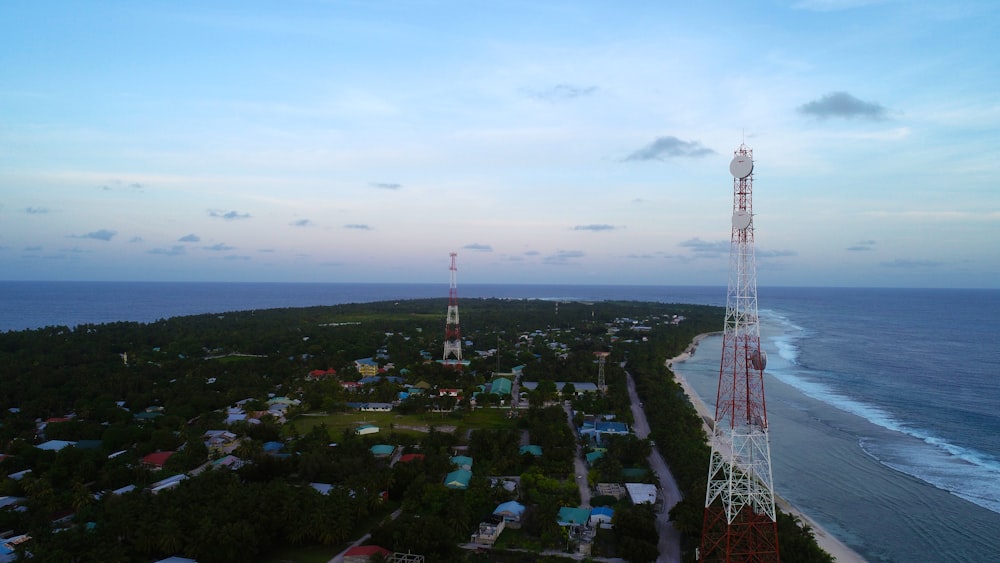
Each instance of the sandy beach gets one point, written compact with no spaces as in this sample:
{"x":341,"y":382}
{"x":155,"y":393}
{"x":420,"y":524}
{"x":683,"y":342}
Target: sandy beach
{"x":828,"y":542}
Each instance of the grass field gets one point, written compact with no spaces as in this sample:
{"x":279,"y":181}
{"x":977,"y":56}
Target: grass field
{"x":417,"y":424}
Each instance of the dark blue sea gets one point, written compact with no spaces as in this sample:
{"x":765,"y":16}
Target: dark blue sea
{"x":884,"y":404}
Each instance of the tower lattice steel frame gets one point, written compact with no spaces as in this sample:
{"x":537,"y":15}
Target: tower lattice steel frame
{"x":740,"y":521}
{"x":452,"y":335}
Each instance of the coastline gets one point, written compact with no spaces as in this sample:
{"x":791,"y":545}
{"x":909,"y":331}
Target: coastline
{"x":840,"y":551}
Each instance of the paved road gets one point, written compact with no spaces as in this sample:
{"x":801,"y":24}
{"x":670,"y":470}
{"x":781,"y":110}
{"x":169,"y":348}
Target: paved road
{"x":578,"y":462}
{"x":670,"y":539}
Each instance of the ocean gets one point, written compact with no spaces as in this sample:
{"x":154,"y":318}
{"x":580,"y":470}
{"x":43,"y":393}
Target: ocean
{"x":883,"y":404}
{"x":884,"y":414}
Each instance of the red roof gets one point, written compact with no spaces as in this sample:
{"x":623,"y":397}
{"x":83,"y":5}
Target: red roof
{"x":411,"y":457}
{"x":157,"y":458}
{"x":367,"y":550}
{"x":57,"y":419}
{"x":322,"y":373}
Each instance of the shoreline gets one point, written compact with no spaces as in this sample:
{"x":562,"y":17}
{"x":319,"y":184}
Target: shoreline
{"x":829,"y":543}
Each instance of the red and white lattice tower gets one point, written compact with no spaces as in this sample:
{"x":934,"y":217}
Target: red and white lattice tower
{"x":452,"y":334}
{"x":740,"y":520}
{"x":601,"y":358}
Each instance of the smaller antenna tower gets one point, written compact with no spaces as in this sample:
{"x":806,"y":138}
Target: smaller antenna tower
{"x":452,"y":334}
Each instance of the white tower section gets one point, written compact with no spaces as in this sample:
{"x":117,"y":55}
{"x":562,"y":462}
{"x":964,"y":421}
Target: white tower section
{"x":452,"y":333}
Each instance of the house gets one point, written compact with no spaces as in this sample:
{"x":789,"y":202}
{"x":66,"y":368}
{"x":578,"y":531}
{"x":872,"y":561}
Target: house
{"x":234,"y":415}
{"x":641,"y":492}
{"x":322,"y":488}
{"x":573,"y":516}
{"x":228,"y":462}
{"x":406,"y":458}
{"x":601,"y":516}
{"x":219,"y":441}
{"x":364,"y":553}
{"x":366,"y":366}
{"x":376,"y":407}
{"x":350,"y":385}
{"x":19,"y":475}
{"x":382,"y":450}
{"x":366,"y":429}
{"x":155,"y":460}
{"x":458,"y":479}
{"x":511,"y":512}
{"x":462,"y":461}
{"x":532,"y":449}
{"x":168,"y":483}
{"x":489,"y":531}
{"x":611,"y":427}
{"x":272,"y":447}
{"x":55,"y":445}
{"x":501,"y":386}
{"x":318,"y":374}
{"x":9,"y":546}
{"x":123,"y":490}
{"x":595,"y":455}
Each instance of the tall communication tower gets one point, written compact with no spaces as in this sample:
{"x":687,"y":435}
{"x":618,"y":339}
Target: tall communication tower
{"x":452,"y":335}
{"x":601,"y":357}
{"x":740,"y":521}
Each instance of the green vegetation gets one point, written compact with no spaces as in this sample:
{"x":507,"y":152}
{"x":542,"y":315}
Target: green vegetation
{"x":302,"y":483}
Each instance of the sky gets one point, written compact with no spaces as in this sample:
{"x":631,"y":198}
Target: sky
{"x":565,"y":141}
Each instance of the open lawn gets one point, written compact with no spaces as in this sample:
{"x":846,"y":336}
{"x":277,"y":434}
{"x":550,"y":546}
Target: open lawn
{"x":459,"y":422}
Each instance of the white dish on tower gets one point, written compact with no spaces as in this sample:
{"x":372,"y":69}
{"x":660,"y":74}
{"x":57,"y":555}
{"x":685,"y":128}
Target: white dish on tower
{"x":741,"y":220}
{"x":741,"y":166}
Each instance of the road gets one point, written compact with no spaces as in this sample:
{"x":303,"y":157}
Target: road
{"x":670,"y":539}
{"x":578,"y":462}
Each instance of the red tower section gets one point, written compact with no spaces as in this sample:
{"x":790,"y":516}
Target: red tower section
{"x":452,"y":334}
{"x":740,"y":518}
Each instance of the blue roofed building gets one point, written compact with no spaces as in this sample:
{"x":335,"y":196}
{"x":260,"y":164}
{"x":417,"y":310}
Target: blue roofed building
{"x":601,"y":516}
{"x":511,"y":511}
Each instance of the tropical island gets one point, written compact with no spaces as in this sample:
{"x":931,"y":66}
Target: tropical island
{"x":322,"y":432}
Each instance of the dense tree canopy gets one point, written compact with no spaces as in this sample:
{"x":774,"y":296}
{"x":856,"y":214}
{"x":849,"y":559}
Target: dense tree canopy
{"x":121,"y":391}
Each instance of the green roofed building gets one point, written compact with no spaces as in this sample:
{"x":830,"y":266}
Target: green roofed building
{"x":573,"y":516}
{"x":458,"y":479}
{"x":532,"y":449}
{"x":501,"y":386}
{"x":382,"y":450}
{"x":462,"y":461}
{"x":594,"y":456}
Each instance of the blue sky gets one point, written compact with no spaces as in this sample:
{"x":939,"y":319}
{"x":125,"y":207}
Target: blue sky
{"x":544,"y":142}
